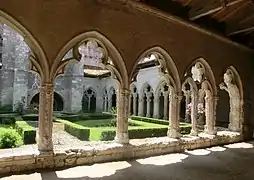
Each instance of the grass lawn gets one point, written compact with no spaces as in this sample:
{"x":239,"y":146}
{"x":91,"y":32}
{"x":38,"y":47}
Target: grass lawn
{"x":95,"y":130}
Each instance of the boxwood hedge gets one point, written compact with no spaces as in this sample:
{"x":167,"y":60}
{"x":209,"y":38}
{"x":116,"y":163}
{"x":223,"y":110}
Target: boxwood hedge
{"x":76,"y":130}
{"x":27,"y":132}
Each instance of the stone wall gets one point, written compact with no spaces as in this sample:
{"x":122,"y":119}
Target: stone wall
{"x":18,"y":161}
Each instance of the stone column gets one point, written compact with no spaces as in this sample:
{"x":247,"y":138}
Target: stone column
{"x":156,"y":108}
{"x":105,"y":104}
{"x":174,"y":124}
{"x":45,"y":142}
{"x":165,"y":95}
{"x":141,"y":106}
{"x":135,"y":104}
{"x":187,"y":101}
{"x":194,"y":102}
{"x":122,"y":135}
{"x":109,"y":102}
{"x":148,"y":105}
{"x":130,"y":106}
{"x":209,"y":113}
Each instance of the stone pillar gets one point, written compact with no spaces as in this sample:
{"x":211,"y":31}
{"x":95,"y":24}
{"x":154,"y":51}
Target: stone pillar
{"x":105,"y":104}
{"x":122,"y":135}
{"x":165,"y":95}
{"x":174,"y":125}
{"x":148,"y":105}
{"x":135,"y":104}
{"x":109,"y":103}
{"x":130,"y":105}
{"x":141,"y":106}
{"x":156,"y":107}
{"x":187,"y":101}
{"x":194,"y":102}
{"x":209,"y":113}
{"x":45,"y":142}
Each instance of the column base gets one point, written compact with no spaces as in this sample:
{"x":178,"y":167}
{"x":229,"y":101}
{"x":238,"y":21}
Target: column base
{"x":45,"y":145}
{"x":211,"y":131}
{"x":122,"y":138}
{"x":234,"y":128}
{"x":173,"y":133}
{"x":194,"y":132}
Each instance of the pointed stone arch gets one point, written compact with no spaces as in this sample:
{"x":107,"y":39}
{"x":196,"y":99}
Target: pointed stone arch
{"x":207,"y":72}
{"x":39,"y":62}
{"x":145,"y":85}
{"x":167,"y":66}
{"x":119,"y":68}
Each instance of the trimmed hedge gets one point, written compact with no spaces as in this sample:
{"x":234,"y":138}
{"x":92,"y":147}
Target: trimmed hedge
{"x":9,"y":137}
{"x":30,"y":117}
{"x":27,"y":132}
{"x":136,"y":133}
{"x":150,"y":120}
{"x":71,"y":118}
{"x":78,"y":117}
{"x":8,"y":119}
{"x":141,"y":133}
{"x":76,"y":130}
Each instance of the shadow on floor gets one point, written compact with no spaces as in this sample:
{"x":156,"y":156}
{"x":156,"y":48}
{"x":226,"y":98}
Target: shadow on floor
{"x":230,"y":162}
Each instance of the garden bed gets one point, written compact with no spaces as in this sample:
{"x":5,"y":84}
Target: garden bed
{"x":105,"y":129}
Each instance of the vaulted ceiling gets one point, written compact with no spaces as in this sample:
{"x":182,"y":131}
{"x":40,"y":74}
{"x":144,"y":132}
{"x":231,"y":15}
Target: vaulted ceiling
{"x":231,"y":18}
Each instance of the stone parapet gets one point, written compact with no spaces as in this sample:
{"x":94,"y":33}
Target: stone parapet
{"x":18,"y":160}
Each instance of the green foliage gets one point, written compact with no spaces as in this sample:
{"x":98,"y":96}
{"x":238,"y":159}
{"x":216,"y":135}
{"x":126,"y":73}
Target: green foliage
{"x":113,"y":110}
{"x":6,"y":108}
{"x":30,"y":117}
{"x":76,"y":130}
{"x":27,"y":132}
{"x":150,"y":120}
{"x":9,"y":138}
{"x":69,"y":117}
{"x":8,"y":119}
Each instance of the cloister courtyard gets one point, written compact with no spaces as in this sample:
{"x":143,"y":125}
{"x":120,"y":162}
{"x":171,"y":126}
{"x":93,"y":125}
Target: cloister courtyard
{"x":120,"y":81}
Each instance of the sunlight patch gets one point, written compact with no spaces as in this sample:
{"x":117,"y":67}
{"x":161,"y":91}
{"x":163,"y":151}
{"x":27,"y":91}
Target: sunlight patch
{"x":94,"y":171}
{"x":163,"y":160}
{"x":199,"y":152}
{"x":240,"y":145}
{"x":216,"y":149}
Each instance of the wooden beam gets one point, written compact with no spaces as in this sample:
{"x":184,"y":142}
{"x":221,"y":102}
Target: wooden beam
{"x":216,"y":9}
{"x":244,"y":4}
{"x":250,"y":29}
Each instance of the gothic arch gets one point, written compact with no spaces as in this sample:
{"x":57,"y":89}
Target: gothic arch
{"x":208,"y":72}
{"x":158,"y":88}
{"x":167,"y":65}
{"x":120,"y":70}
{"x":39,"y":62}
{"x":145,"y":85}
{"x":58,"y":100}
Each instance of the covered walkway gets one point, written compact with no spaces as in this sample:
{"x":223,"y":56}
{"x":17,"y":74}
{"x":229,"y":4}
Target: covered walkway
{"x":229,"y":162}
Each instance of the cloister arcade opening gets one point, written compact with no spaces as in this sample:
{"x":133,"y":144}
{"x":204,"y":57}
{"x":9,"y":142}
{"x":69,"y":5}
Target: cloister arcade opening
{"x":58,"y":103}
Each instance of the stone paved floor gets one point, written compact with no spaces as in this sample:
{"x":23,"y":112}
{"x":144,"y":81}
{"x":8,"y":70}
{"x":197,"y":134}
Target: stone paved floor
{"x":231,"y":162}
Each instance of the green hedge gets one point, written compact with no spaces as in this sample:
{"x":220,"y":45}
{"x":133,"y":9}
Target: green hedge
{"x":150,"y":120}
{"x":76,"y":130}
{"x":8,"y":119}
{"x":30,"y":117}
{"x":136,"y":133}
{"x":141,"y":133}
{"x":68,"y":117}
{"x":9,"y":137}
{"x":27,"y":132}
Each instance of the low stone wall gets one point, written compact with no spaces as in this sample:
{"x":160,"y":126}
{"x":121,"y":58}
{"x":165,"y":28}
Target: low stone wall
{"x":14,"y":161}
